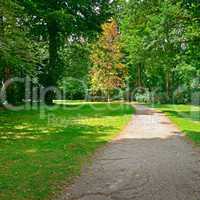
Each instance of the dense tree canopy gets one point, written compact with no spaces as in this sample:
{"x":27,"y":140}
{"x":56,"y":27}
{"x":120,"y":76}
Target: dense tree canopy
{"x":55,"y":43}
{"x":51,"y":24}
{"x":161,"y":41}
{"x":57,"y":20}
{"x":17,"y":50}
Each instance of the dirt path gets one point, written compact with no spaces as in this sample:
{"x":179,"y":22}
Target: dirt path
{"x":149,"y":161}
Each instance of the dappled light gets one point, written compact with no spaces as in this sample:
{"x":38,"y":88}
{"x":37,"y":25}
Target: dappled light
{"x":47,"y":151}
{"x":78,"y":75}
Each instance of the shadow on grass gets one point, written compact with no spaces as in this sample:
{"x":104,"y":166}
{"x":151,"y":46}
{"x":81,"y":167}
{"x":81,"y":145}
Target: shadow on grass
{"x":184,"y":111}
{"x":29,"y":125}
{"x":37,"y":155}
{"x":43,"y":133}
{"x":70,"y":111}
{"x":193,"y":135}
{"x":192,"y":115}
{"x":34,"y":163}
{"x":186,"y":117}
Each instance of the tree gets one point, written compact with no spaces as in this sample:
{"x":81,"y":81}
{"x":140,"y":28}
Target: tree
{"x":108,"y":72}
{"x":58,"y":21}
{"x":75,"y":79}
{"x":160,"y":42}
{"x":17,"y":52}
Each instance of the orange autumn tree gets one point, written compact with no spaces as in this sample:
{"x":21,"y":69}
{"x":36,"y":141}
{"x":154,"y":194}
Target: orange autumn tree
{"x":108,"y":73}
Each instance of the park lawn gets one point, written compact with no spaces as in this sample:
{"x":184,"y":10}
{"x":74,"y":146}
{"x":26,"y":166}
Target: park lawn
{"x":39,"y":153}
{"x":186,"y":117}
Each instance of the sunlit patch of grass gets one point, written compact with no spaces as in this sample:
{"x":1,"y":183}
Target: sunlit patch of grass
{"x":186,"y":117}
{"x":38,"y":155}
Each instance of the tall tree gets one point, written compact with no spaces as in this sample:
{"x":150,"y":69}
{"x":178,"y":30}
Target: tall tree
{"x":158,"y":37}
{"x":58,"y":20}
{"x":108,"y":72}
{"x":17,"y":54}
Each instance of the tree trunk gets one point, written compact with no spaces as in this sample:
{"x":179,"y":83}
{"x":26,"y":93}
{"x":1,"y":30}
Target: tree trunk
{"x":6,"y":72}
{"x":1,"y":27}
{"x":108,"y":96}
{"x":168,"y":86}
{"x":51,"y":77}
{"x":139,"y":75}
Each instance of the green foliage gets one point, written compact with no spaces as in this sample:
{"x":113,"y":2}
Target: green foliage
{"x":60,"y":20}
{"x":161,"y":41}
{"x":17,"y":51}
{"x":74,"y":82}
{"x":28,"y":27}
{"x":74,"y":88}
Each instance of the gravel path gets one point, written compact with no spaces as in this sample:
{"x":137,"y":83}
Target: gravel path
{"x":148,"y":161}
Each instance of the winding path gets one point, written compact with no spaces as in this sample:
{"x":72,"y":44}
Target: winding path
{"x":148,"y":161}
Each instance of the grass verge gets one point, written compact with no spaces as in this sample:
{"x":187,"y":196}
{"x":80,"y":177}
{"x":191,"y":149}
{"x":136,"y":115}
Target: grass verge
{"x":186,"y":117}
{"x":38,"y":155}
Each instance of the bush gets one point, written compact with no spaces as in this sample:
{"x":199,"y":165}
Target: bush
{"x":73,"y":89}
{"x":145,"y":97}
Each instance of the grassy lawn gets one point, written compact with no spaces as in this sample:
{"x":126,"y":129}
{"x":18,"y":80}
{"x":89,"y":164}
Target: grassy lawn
{"x":186,"y":117}
{"x":38,"y":155}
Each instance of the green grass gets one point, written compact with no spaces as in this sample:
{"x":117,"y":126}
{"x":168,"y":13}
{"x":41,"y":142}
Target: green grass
{"x":186,"y":117}
{"x":39,"y":155}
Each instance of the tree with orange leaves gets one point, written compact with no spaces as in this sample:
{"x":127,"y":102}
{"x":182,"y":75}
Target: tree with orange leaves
{"x":108,"y":73}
